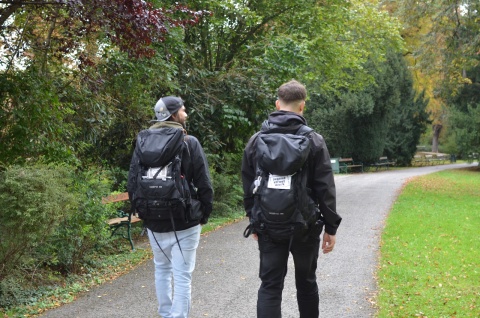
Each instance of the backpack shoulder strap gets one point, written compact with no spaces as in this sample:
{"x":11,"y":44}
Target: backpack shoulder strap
{"x":304,"y":130}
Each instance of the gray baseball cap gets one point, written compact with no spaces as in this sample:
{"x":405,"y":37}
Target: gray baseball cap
{"x":166,"y":106}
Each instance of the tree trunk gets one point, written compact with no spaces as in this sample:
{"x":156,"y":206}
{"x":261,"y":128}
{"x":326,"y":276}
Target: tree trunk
{"x":436,"y":133}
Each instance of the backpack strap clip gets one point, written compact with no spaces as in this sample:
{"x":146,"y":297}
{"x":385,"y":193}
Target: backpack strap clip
{"x":257,"y":183}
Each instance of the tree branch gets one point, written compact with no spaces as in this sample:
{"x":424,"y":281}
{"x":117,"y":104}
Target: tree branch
{"x":5,"y":13}
{"x":238,"y":42}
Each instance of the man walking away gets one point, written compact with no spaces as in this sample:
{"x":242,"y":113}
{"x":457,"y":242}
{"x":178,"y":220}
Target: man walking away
{"x":289,"y":196}
{"x":173,"y":232}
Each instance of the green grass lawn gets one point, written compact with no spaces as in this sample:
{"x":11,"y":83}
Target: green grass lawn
{"x":430,"y":252}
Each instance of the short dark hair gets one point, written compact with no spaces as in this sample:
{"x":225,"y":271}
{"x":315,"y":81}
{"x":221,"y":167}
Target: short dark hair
{"x":292,"y":91}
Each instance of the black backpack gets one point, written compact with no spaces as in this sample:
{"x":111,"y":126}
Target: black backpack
{"x":282,"y":204}
{"x":161,"y":191}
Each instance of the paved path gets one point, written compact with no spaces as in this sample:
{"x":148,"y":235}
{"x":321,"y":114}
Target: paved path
{"x":226,"y":280}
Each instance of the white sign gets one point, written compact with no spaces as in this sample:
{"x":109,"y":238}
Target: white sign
{"x":279,"y":182}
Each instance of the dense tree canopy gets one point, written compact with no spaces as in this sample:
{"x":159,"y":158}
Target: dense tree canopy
{"x":99,"y":73}
{"x":443,"y":49}
{"x":59,"y":96}
{"x":383,"y":119}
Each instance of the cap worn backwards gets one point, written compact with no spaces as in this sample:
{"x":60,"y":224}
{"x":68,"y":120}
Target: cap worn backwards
{"x":166,"y":106}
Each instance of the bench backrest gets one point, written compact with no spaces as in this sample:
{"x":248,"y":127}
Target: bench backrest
{"x":115,"y":198}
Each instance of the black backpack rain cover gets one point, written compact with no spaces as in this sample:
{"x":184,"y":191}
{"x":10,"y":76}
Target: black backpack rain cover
{"x":162,"y":193}
{"x":282,"y":203}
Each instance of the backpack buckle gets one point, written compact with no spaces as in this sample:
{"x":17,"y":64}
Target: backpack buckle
{"x":256,"y":183}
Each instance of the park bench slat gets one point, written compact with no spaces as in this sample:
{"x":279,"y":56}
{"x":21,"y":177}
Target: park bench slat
{"x":127,"y":220}
{"x":348,"y":163}
{"x":115,"y":198}
{"x":134,"y":219}
{"x":383,"y":162}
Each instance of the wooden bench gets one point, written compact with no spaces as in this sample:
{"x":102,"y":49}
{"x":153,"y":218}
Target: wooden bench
{"x":472,"y":157}
{"x":383,"y":162}
{"x":418,"y":160}
{"x":124,"y":220}
{"x":437,"y":159}
{"x":429,"y":159}
{"x":348,"y":164}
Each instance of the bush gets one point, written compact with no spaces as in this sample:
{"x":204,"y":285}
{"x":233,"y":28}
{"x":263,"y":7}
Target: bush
{"x":55,"y":223}
{"x":84,"y":228}
{"x":33,"y":202}
{"x":226,"y":182}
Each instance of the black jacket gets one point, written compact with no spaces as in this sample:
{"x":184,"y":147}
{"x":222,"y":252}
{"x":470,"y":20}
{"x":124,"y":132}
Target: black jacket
{"x":320,"y":178}
{"x":195,"y":168}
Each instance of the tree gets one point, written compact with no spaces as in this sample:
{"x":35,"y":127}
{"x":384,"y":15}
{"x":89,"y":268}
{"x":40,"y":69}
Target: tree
{"x":226,"y":67}
{"x":53,"y":66}
{"x":465,"y":114}
{"x":384,"y":119}
{"x":442,"y":43}
{"x":234,"y":60}
{"x":466,"y":127}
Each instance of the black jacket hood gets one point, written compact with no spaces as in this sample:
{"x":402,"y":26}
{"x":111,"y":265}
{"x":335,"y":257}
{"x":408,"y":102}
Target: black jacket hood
{"x":284,"y":121}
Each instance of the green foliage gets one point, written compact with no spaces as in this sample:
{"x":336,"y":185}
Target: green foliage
{"x":32,"y":120}
{"x":443,"y":49}
{"x":82,"y":229}
{"x":409,"y":118}
{"x":464,"y":117}
{"x":448,"y":43}
{"x":130,"y":89}
{"x":227,"y":68}
{"x":224,"y":108}
{"x":227,"y":186}
{"x":33,"y":203}
{"x":342,"y":36}
{"x":326,"y":115}
{"x":466,"y":126}
{"x":52,"y":217}
{"x":228,"y":194}
{"x":16,"y":289}
{"x":384,"y":119}
{"x":233,"y":61}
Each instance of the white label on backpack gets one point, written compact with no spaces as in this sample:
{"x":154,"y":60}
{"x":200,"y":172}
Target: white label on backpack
{"x":151,"y":172}
{"x":279,"y":182}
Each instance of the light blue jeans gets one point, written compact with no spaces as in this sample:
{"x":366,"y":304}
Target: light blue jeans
{"x":174,"y":302}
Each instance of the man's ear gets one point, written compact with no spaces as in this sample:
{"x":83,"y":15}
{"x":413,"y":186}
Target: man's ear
{"x":277,"y":104}
{"x":301,"y":106}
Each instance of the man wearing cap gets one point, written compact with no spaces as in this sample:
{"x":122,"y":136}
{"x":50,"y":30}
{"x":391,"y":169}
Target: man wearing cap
{"x":174,"y":244}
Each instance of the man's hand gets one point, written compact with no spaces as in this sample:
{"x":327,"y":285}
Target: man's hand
{"x":255,"y":236}
{"x":328,"y":243}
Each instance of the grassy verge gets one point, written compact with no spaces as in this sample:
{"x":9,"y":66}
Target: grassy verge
{"x":429,"y":264}
{"x":65,"y":290}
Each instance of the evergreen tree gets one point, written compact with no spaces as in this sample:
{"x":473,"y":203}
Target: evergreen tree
{"x":384,"y":119}
{"x":465,"y":116}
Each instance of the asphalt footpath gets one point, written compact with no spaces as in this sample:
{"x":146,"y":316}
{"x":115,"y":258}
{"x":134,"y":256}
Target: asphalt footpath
{"x":225,"y":280}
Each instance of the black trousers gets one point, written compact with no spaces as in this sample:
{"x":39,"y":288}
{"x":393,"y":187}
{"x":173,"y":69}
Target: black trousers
{"x":273,"y":269}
